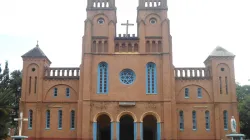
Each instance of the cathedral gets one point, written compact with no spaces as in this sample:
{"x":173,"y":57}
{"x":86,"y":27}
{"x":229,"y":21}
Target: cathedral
{"x":126,"y":87}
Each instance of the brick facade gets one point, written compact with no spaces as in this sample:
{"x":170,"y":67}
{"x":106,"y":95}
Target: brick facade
{"x":153,"y":44}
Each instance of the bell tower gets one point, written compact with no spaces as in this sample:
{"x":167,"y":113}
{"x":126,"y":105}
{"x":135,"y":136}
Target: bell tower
{"x":100,"y":26}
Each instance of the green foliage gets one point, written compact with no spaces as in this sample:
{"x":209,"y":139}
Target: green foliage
{"x":9,"y":100}
{"x":243,"y":96}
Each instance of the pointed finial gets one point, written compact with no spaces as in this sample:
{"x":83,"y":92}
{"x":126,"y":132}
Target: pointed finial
{"x":37,"y":44}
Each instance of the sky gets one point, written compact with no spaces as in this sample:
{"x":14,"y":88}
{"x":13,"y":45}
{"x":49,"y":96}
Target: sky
{"x":197,"y":27}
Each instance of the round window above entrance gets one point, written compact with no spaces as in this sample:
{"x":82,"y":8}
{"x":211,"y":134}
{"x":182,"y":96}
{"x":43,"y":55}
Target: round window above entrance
{"x":127,"y":76}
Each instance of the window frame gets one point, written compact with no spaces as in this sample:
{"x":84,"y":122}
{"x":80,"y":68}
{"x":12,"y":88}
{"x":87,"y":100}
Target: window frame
{"x":55,"y":92}
{"x":225,"y":119}
{"x":72,"y":120}
{"x":47,"y":123}
{"x":151,"y":78}
{"x":60,"y":119}
{"x":207,"y":120}
{"x":194,"y":120}
{"x":30,"y":119}
{"x":181,"y":123}
{"x":100,"y":75}
{"x":199,"y":93}
{"x":68,"y":92}
{"x":186,"y":93}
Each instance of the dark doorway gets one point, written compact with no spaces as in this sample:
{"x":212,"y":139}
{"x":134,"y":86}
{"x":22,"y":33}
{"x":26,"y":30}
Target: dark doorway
{"x":149,"y":128}
{"x":126,"y":128}
{"x":103,"y":128}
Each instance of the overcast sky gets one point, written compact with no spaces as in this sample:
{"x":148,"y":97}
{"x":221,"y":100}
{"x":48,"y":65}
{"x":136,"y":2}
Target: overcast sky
{"x":197,"y":27}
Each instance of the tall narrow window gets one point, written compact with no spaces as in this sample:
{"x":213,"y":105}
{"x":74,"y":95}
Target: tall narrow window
{"x":181,"y":115}
{"x":48,"y":119}
{"x":199,"y":93}
{"x":220,"y":85}
{"x":151,"y":78}
{"x":102,"y":83}
{"x":35,"y":83}
{"x":72,"y":119}
{"x":67,"y":92}
{"x":226,"y":85}
{"x":194,"y":120}
{"x":225,"y":117}
{"x":60,"y":119}
{"x":207,"y":118}
{"x":55,"y":92}
{"x":30,"y":85}
{"x":186,"y":92}
{"x":30,"y":119}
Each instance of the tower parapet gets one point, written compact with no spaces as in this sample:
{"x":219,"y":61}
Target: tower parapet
{"x":152,"y":4}
{"x":101,"y":4}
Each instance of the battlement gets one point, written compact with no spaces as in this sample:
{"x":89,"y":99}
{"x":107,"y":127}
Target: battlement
{"x":192,"y":73}
{"x":62,"y":73}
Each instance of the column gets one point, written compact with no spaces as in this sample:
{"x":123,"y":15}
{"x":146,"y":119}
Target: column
{"x":158,"y":131}
{"x":112,"y":130}
{"x":141,"y":130}
{"x":94,"y":130}
{"x":135,"y":130}
{"x":118,"y":131}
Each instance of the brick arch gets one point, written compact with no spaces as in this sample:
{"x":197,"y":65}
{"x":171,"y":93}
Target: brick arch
{"x":158,"y":118}
{"x":126,"y":113}
{"x":103,"y":113}
{"x":179,"y":92}
{"x":153,"y":15}
{"x":58,"y":85}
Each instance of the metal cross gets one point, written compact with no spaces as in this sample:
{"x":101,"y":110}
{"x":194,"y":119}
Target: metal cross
{"x":21,"y":119}
{"x":127,"y":24}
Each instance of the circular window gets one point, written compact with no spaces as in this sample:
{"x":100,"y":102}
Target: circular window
{"x":127,"y":76}
{"x":100,"y":21}
{"x":33,"y":69}
{"x":153,"y":21}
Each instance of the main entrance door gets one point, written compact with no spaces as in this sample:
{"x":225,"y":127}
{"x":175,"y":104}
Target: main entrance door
{"x":103,"y":128}
{"x":126,"y":128}
{"x":149,"y":128}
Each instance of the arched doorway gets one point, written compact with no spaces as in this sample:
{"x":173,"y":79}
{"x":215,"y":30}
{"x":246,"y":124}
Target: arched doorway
{"x":149,"y":128}
{"x":103,"y":127}
{"x":126,"y":128}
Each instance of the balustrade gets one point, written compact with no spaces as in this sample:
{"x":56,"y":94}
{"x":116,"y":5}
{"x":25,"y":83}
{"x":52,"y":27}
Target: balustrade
{"x":62,"y":73}
{"x":191,"y":73}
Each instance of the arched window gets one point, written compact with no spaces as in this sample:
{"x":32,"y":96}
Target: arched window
{"x":102,"y":81}
{"x":186,"y":92}
{"x":199,"y":92}
{"x":30,"y":119}
{"x":151,"y":78}
{"x":181,"y":115}
{"x":194,"y":120}
{"x":72,"y":119}
{"x":59,"y":119}
{"x":207,"y":118}
{"x":48,"y":119}
{"x":225,"y":117}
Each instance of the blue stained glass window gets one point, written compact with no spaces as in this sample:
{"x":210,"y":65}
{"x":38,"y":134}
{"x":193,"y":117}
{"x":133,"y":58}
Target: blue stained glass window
{"x":199,"y":93}
{"x":151,"y":78}
{"x":207,"y":118}
{"x":186,"y":92}
{"x":181,"y":120}
{"x":127,"y":76}
{"x":194,"y":120}
{"x":102,"y":81}
{"x":225,"y":117}
{"x":72,"y":119}
{"x":30,"y":119}
{"x":47,"y":119}
{"x":60,"y":119}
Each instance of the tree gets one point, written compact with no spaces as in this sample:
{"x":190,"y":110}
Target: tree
{"x":5,"y":101}
{"x":243,"y":96}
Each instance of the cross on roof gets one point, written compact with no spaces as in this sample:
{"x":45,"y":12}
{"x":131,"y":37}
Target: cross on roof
{"x":127,"y":24}
{"x":21,"y":119}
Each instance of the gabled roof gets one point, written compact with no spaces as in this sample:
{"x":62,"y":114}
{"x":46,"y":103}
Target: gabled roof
{"x":35,"y":53}
{"x":219,"y":51}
